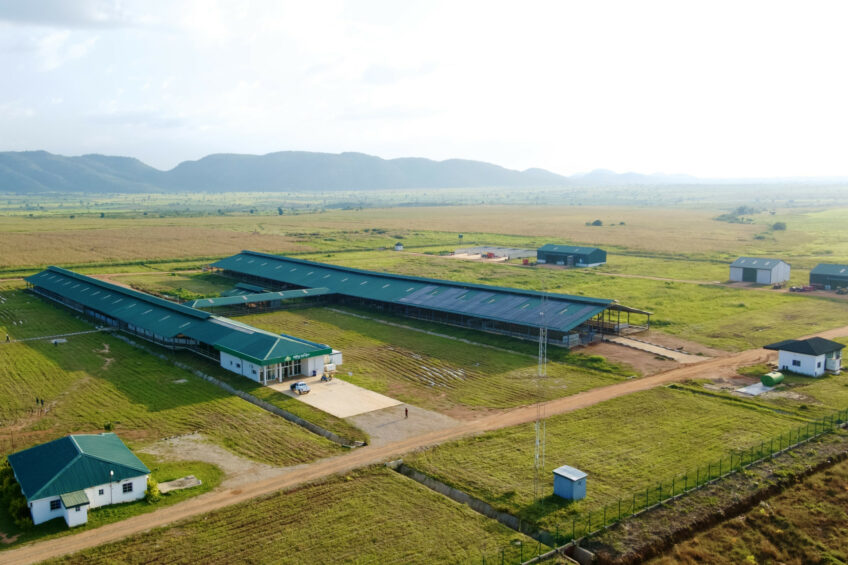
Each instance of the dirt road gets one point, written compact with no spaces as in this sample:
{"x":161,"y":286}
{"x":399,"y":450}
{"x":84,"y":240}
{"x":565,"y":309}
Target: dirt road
{"x":712,"y":369}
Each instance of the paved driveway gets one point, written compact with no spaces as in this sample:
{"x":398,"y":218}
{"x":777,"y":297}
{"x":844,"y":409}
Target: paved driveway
{"x":338,"y":397}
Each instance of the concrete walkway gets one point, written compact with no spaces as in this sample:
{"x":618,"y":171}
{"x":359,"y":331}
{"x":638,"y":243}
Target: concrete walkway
{"x":679,"y":356}
{"x":392,"y":424}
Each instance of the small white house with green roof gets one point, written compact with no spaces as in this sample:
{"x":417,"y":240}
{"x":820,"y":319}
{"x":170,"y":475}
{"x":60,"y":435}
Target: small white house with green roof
{"x":67,"y":476}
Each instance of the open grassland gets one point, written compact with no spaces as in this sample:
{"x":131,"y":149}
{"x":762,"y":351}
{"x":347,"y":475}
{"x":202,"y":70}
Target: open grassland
{"x":625,"y":445}
{"x":161,"y":471}
{"x":805,"y":524}
{"x":430,"y":371}
{"x":95,"y":379}
{"x":371,"y":516}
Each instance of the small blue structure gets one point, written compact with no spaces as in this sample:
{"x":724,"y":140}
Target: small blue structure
{"x":569,"y":483}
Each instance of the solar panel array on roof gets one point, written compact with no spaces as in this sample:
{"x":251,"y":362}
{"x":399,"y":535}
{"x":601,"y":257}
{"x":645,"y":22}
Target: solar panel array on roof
{"x":169,"y":320}
{"x":572,"y":249}
{"x":561,"y":312}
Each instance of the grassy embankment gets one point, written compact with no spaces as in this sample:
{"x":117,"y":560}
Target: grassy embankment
{"x":369,"y":516}
{"x":805,"y":524}
{"x":625,"y":444}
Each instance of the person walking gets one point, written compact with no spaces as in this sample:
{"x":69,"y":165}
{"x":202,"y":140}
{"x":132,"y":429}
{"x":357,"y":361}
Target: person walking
{"x":406,"y":413}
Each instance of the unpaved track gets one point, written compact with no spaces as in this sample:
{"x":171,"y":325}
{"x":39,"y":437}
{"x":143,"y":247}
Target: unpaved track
{"x":712,"y":368}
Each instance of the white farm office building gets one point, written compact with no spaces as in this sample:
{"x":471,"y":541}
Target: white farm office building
{"x":759,"y":270}
{"x":811,"y":357}
{"x":67,"y":476}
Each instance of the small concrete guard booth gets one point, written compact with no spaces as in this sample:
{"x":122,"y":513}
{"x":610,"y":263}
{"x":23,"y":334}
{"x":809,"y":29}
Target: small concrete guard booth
{"x":569,"y":483}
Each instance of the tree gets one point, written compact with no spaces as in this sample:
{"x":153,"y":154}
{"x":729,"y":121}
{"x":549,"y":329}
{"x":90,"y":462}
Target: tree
{"x":279,"y":210}
{"x":597,"y":223}
{"x":779,"y":226}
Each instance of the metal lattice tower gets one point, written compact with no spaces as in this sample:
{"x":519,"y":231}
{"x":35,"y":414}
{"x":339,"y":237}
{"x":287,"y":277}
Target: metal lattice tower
{"x":541,"y":373}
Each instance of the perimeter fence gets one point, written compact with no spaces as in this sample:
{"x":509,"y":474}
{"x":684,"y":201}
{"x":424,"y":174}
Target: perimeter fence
{"x":594,"y":521}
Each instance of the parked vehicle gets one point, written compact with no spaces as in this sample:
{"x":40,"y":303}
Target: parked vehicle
{"x":777,"y":285}
{"x":299,"y":387}
{"x":842,"y":290}
{"x":325,"y":378}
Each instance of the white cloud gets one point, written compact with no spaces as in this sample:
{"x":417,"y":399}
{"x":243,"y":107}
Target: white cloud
{"x":718,"y":88}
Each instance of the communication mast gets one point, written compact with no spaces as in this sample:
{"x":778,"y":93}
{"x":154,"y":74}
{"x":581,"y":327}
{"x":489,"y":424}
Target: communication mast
{"x":541,"y":373}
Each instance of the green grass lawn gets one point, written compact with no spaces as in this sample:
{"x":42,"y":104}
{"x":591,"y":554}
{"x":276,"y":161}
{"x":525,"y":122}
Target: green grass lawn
{"x":433,"y":372}
{"x":95,"y":379}
{"x":181,"y":286}
{"x":624,"y":445}
{"x":162,"y":471}
{"x":370,"y":516}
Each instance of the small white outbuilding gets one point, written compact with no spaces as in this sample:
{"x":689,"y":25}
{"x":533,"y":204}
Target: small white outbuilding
{"x":811,"y":357}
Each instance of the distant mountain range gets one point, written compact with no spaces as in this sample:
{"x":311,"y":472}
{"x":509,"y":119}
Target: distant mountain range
{"x":40,"y":171}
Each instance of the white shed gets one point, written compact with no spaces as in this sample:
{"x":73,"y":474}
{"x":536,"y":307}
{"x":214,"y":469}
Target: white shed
{"x":759,"y":270}
{"x":811,"y":357}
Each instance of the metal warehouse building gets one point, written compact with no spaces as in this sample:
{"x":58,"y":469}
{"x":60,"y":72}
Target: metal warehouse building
{"x":829,"y":276}
{"x":570,"y":256}
{"x":489,"y":308}
{"x":256,"y":354}
{"x":759,"y":270}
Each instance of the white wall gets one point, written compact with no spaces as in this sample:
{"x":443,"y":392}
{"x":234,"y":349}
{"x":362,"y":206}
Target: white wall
{"x":764,"y":276}
{"x":240,"y":366}
{"x":118,"y":495}
{"x":781,"y":273}
{"x":336,"y":358}
{"x":736,"y":273}
{"x":314,"y":364}
{"x":811,"y":365}
{"x":40,"y":509}
{"x":76,"y":516}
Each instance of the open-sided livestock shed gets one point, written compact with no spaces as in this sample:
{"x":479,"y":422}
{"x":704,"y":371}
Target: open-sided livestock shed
{"x":829,"y":275}
{"x":570,"y":255}
{"x":259,"y":355}
{"x":490,"y":308}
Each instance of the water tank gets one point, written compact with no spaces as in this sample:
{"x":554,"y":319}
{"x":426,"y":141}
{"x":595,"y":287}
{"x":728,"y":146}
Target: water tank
{"x":772,"y":379}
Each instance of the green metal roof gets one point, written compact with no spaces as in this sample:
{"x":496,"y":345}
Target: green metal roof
{"x":571,"y":249}
{"x":254,"y":298}
{"x":76,"y":498}
{"x":73,"y":463}
{"x":250,"y":287}
{"x":830,"y":269}
{"x":525,"y":307}
{"x":170,"y":320}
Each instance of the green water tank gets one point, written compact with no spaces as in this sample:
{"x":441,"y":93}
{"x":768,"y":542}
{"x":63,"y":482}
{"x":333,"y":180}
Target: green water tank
{"x":772,"y":379}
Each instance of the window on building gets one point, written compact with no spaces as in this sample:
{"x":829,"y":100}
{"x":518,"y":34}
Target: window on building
{"x":55,"y":504}
{"x":796,"y":363}
{"x":100,"y":492}
{"x":818,"y":365}
{"x":127,"y":487}
{"x":76,"y":508}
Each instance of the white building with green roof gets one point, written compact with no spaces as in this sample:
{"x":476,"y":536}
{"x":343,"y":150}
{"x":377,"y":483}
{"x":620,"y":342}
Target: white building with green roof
{"x":67,"y":476}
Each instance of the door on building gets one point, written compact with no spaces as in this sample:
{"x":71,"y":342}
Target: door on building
{"x":749,"y":275}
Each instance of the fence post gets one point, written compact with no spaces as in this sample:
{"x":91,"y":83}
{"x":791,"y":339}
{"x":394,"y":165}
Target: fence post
{"x":573,"y":523}
{"x":646,"y":497}
{"x":633,"y":509}
{"x":686,"y":481}
{"x":619,"y":510}
{"x":672,"y":485}
{"x":720,"y":461}
{"x":697,"y":476}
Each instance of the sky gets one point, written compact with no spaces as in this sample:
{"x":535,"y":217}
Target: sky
{"x":712,"y":89}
